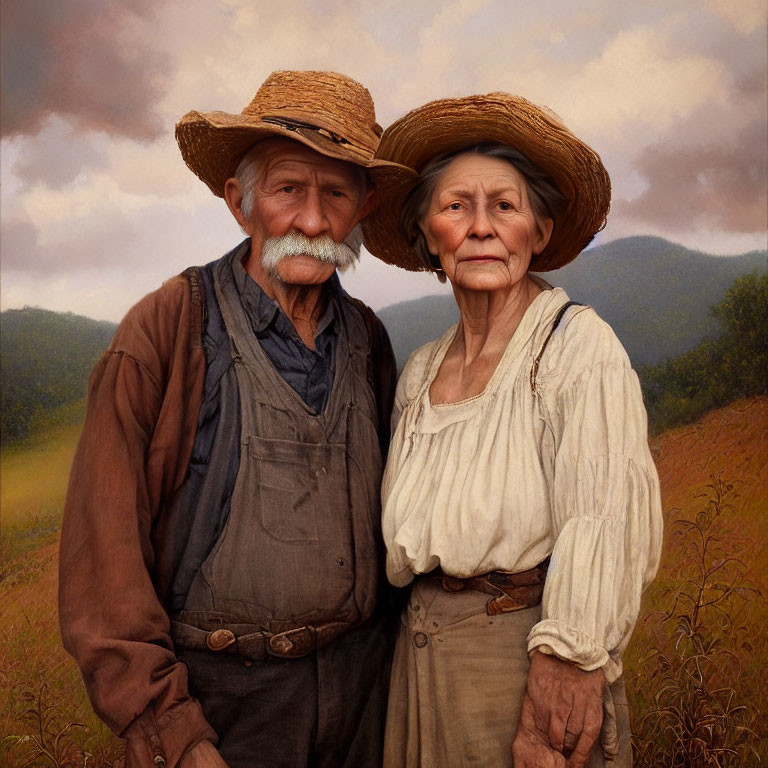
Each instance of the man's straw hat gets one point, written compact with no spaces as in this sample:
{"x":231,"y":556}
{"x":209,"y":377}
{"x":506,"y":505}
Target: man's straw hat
{"x":331,"y":113}
{"x":448,"y":125}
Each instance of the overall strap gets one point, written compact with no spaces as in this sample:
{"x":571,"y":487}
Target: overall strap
{"x":561,"y":312}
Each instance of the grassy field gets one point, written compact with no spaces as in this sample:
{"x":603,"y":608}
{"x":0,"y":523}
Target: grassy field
{"x":696,"y":667}
{"x":41,"y":693}
{"x":33,"y":481}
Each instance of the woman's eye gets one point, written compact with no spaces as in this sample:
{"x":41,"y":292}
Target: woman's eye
{"x":505,"y":206}
{"x":454,"y":207}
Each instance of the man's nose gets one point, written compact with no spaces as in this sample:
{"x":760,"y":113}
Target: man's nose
{"x":311,"y":219}
{"x":481,"y":226}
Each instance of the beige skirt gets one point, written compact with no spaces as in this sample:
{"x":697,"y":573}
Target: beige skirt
{"x":458,"y":681}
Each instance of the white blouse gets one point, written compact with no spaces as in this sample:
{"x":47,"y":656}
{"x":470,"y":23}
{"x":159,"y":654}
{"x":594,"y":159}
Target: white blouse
{"x":548,"y":460}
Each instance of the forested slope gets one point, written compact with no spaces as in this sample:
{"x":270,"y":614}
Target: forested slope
{"x":45,"y":360}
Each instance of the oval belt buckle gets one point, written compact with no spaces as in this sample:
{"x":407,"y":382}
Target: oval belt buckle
{"x":452,"y":584}
{"x":293,"y":643}
{"x":219,"y":639}
{"x":504,"y":604}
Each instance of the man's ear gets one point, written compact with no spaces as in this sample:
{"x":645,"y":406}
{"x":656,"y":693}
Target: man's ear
{"x":544,"y":233}
{"x":370,"y":201}
{"x":233,"y":195}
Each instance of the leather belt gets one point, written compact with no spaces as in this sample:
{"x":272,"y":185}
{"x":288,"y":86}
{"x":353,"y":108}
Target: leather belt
{"x":290,"y":644}
{"x":509,"y":591}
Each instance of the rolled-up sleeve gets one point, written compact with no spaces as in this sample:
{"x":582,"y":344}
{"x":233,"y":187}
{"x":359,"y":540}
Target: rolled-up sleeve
{"x":606,"y":514}
{"x":111,"y":618}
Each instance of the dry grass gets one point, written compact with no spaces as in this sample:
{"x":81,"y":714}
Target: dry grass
{"x":46,"y":739}
{"x":32,"y":661}
{"x":697,"y":663}
{"x":45,"y":716}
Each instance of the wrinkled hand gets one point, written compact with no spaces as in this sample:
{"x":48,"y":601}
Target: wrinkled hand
{"x":203,"y":755}
{"x":561,"y":716}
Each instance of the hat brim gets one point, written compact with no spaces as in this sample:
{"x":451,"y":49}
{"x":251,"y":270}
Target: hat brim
{"x":448,"y":125}
{"x":213,"y":143}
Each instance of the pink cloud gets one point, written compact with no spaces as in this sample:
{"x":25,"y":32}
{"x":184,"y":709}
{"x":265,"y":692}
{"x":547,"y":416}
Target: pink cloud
{"x":83,"y":61}
{"x":710,"y":170}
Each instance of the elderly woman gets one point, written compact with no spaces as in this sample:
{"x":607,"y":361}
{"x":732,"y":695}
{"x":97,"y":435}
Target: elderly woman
{"x":520,"y":497}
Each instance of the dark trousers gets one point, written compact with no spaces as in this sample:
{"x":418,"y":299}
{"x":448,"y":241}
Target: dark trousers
{"x":325,"y":710}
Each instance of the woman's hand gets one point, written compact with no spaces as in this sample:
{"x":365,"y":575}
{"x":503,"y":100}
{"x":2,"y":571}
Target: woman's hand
{"x":203,"y":755}
{"x":561,"y":716}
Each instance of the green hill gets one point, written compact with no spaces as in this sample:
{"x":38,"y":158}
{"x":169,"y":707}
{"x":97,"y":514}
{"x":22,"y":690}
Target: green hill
{"x":655,"y":294}
{"x":45,"y":360}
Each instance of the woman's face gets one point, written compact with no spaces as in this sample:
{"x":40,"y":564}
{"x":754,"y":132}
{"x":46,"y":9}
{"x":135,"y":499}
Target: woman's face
{"x":480,"y":223}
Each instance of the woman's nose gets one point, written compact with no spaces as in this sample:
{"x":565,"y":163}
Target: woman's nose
{"x":480,"y":226}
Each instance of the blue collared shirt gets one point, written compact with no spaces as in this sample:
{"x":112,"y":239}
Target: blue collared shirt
{"x":309,"y":371}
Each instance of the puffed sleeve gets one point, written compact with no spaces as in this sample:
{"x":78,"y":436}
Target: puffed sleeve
{"x":606,"y":508}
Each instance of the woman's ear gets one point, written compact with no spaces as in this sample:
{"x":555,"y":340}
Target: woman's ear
{"x":543,"y":234}
{"x":428,"y":235}
{"x":233,"y":196}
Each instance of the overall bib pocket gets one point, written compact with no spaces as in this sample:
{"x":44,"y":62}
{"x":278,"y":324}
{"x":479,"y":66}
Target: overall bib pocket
{"x":284,"y":482}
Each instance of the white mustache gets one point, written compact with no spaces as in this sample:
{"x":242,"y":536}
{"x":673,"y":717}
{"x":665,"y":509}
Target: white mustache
{"x":323,"y":248}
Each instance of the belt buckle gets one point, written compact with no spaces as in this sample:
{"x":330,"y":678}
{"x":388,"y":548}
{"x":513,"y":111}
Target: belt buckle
{"x":219,"y":639}
{"x":452,"y":584}
{"x":293,"y":643}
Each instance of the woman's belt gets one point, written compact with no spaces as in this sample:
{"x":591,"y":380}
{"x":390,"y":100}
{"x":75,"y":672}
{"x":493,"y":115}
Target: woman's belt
{"x":291,"y":644}
{"x":509,"y":591}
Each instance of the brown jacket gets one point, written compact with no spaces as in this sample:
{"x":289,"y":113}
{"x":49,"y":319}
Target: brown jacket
{"x":143,"y":404}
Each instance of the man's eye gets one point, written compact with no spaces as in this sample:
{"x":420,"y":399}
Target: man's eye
{"x":337,"y":193}
{"x":288,"y":188}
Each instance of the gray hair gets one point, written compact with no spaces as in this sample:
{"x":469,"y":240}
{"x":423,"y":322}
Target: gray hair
{"x":246,"y":174}
{"x":547,"y":202}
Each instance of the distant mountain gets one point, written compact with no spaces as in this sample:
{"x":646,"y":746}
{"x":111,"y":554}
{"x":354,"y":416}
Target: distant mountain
{"x":655,"y":294}
{"x":411,"y":324}
{"x":45,"y":360}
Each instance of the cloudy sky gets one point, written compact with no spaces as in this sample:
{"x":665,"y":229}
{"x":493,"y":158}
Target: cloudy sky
{"x":98,"y":207}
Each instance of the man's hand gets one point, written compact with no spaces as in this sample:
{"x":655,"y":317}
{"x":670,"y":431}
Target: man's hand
{"x":561,"y":716}
{"x":203,"y":755}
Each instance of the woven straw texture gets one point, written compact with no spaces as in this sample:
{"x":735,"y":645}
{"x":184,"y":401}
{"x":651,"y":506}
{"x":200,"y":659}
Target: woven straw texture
{"x":447,"y":125}
{"x":212,"y":143}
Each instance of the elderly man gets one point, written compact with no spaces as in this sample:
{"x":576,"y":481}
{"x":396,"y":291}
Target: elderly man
{"x":220,"y":552}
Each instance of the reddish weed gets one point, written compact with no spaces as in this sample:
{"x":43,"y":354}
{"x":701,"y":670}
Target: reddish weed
{"x":690,"y":692}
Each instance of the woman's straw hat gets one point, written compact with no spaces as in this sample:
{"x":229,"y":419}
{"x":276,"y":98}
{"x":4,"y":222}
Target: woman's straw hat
{"x":331,"y":113}
{"x":448,"y":125}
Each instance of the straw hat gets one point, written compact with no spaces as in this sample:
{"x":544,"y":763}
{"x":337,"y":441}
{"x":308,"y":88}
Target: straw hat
{"x":331,"y":113}
{"x":448,"y":125}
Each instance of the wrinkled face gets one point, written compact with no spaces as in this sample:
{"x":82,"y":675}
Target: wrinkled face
{"x":480,"y":224}
{"x":299,"y":191}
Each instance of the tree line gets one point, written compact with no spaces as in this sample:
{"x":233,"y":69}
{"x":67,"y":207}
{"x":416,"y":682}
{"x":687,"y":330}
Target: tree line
{"x":719,"y":370}
{"x":45,"y":360}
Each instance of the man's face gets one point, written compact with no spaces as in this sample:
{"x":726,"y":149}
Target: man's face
{"x":298,"y":190}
